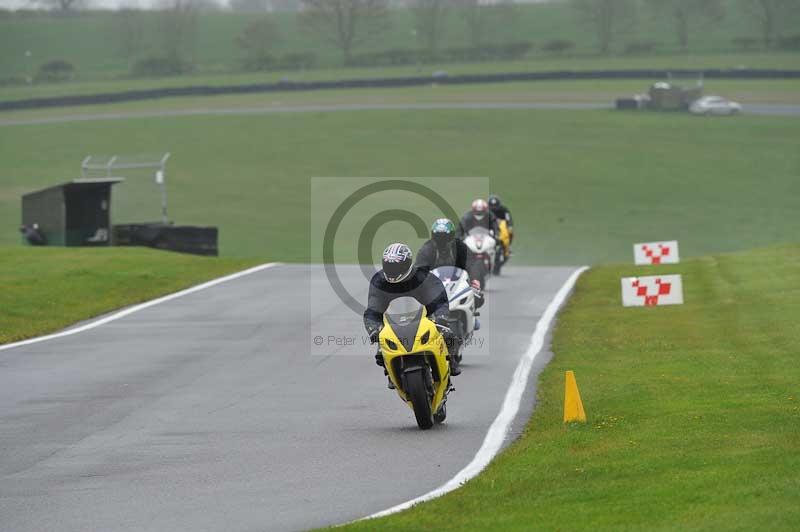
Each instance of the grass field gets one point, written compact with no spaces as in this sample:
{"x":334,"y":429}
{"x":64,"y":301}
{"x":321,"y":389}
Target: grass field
{"x":91,"y":41}
{"x":693,"y":412}
{"x":46,"y":289}
{"x":776,"y":60}
{"x":583,"y":185}
{"x":600,"y":91}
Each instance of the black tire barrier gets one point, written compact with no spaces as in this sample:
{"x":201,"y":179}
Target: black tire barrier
{"x":418,"y":81}
{"x":623,"y":104}
{"x":184,"y":239}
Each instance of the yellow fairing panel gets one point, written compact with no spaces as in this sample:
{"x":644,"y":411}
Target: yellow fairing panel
{"x":504,"y":236}
{"x":428,"y":340}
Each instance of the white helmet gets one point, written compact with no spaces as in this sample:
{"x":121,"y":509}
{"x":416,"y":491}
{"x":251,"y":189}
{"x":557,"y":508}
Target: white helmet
{"x":479,"y":208}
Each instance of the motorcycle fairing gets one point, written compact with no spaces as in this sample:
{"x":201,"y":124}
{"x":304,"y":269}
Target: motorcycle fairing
{"x":447,"y":273}
{"x":504,"y":237}
{"x":427,"y":343}
{"x":461,"y":293}
{"x":405,"y":329}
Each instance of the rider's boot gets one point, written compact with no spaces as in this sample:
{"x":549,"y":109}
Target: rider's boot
{"x":390,"y":384}
{"x":455,"y":370}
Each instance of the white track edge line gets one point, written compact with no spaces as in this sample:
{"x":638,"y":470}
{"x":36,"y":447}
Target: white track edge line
{"x":498,"y":430}
{"x":141,"y":306}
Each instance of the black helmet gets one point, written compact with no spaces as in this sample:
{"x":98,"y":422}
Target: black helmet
{"x":494,"y":202}
{"x":443,"y":233}
{"x":397,"y":262}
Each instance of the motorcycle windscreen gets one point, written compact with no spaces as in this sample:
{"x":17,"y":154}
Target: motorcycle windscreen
{"x":479,"y":231}
{"x":404,"y":314}
{"x":482,"y":240}
{"x":448,"y":273}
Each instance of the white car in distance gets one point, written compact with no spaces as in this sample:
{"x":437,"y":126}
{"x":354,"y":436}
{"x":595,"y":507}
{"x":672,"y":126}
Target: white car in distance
{"x":714,"y":105}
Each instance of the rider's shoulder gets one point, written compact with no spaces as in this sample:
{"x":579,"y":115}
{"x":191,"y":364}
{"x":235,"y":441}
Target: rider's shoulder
{"x":425,"y":276}
{"x":422,"y":273}
{"x":377,"y":279}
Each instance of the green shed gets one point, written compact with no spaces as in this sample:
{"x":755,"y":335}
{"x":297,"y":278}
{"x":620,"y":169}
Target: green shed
{"x":77,"y":213}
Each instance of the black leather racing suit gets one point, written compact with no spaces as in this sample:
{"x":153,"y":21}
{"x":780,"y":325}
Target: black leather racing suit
{"x":501,"y":212}
{"x":468,"y":222}
{"x":430,"y":257}
{"x":421,"y":285}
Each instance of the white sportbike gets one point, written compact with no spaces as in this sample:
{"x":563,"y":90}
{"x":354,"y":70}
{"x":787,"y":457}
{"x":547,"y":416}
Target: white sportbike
{"x":482,"y":249}
{"x":462,"y":319}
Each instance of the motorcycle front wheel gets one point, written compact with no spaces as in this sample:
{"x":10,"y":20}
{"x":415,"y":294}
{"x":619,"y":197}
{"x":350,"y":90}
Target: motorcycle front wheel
{"x":418,"y":393}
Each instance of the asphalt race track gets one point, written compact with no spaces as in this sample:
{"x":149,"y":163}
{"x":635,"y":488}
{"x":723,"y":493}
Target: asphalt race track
{"x":218,"y":411}
{"x":755,"y":109}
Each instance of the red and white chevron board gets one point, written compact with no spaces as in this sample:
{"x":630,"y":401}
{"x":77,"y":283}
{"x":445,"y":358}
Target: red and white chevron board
{"x":656,"y":252}
{"x":652,"y":291}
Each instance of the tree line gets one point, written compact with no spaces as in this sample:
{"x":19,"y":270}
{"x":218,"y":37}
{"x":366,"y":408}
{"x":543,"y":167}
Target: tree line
{"x":612,"y":18}
{"x":349,"y":25}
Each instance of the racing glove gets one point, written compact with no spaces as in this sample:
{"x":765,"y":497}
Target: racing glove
{"x":374,"y":338}
{"x":374,"y":335}
{"x":476,"y":286}
{"x":478,"y":293}
{"x":448,"y":335}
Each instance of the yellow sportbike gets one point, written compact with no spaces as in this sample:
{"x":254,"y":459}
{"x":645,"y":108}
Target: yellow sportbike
{"x":415,"y":357}
{"x":503,"y":246}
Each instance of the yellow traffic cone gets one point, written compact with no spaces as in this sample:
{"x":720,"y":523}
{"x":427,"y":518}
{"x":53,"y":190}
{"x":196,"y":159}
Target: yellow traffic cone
{"x":573,"y":406}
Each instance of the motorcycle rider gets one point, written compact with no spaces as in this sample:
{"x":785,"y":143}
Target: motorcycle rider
{"x":501,"y":212}
{"x":399,"y":278}
{"x":444,"y":249}
{"x":478,"y":216}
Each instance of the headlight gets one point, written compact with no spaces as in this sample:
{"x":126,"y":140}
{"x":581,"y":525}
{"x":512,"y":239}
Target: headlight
{"x":391,"y":345}
{"x":425,"y":337}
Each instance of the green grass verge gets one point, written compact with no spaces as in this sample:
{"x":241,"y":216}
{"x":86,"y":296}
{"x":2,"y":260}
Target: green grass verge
{"x":583,"y":185}
{"x":693,"y":412}
{"x":46,"y":289}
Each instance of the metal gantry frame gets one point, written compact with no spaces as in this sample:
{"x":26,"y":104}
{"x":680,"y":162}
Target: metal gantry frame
{"x":116,"y":162}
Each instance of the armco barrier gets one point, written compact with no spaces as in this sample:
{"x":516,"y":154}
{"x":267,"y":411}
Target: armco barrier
{"x":289,"y":86}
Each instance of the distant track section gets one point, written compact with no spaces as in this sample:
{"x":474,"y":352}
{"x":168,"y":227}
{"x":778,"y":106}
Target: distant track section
{"x":418,"y":81}
{"x":755,"y":109}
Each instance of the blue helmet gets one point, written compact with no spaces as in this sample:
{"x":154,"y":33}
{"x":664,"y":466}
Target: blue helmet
{"x":443,"y":232}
